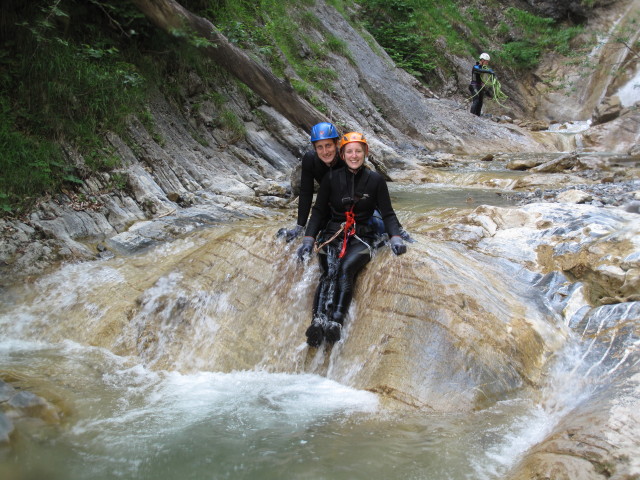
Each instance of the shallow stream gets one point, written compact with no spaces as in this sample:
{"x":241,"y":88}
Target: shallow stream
{"x":125,"y":418}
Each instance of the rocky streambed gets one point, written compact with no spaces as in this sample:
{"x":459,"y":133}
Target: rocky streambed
{"x":575,"y":262}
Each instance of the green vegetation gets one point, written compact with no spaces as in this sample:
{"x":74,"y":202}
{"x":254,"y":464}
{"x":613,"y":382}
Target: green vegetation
{"x":30,"y":165}
{"x":69,"y":71}
{"x":411,"y":30}
{"x":57,"y":89}
{"x":72,"y":69}
{"x":535,"y":36}
{"x":234,"y":125}
{"x":272,"y":30}
{"x":420,"y":34}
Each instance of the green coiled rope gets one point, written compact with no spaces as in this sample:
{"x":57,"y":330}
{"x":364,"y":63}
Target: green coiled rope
{"x":498,"y":95}
{"x":492,"y":84}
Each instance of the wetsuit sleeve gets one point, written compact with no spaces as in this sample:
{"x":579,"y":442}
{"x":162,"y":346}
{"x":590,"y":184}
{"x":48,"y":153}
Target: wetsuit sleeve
{"x":306,"y":189}
{"x":391,"y":223}
{"x":321,"y":208}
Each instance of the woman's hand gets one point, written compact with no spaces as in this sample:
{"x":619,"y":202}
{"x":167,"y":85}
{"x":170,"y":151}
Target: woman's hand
{"x":306,"y":248}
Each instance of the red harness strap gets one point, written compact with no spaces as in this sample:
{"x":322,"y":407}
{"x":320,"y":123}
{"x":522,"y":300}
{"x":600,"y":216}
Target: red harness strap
{"x":349,"y":230}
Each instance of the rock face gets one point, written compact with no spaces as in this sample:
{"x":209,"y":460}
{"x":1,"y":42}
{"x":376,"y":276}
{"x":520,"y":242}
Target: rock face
{"x":192,"y":170}
{"x":556,"y":92}
{"x":609,"y":109}
{"x":618,"y":135}
{"x":595,"y":440}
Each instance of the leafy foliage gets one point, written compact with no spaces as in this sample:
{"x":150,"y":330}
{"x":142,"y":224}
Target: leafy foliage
{"x":535,"y":36}
{"x":420,"y":35}
{"x":57,"y":86}
{"x":30,"y":166}
{"x":72,"y":69}
{"x":69,"y":71}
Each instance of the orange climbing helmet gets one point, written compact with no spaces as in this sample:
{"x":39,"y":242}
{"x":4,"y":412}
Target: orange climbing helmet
{"x":354,"y":137}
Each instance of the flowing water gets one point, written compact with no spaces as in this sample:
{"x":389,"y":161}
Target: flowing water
{"x":164,"y":413}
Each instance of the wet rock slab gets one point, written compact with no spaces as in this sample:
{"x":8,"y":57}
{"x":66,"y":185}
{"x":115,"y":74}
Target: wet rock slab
{"x":19,"y":405}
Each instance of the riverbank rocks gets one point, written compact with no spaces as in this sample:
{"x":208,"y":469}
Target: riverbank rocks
{"x":573,"y":196}
{"x":593,"y":245}
{"x":609,"y":109}
{"x":534,"y":125}
{"x":588,"y":262}
{"x":598,"y":439}
{"x":558,"y":165}
{"x":618,"y":135}
{"x":20,"y":405}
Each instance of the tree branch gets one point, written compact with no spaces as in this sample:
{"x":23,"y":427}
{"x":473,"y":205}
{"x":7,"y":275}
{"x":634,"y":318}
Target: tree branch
{"x":173,"y":18}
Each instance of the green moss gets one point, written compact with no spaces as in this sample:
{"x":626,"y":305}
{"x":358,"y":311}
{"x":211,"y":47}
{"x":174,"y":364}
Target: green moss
{"x":233,"y":125}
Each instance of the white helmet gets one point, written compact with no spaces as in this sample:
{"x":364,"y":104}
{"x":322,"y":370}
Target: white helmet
{"x":485,"y":56}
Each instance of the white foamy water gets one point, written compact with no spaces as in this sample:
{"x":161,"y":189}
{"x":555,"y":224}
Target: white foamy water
{"x":629,"y":93}
{"x":570,"y":127}
{"x":566,"y":387}
{"x":131,"y":422}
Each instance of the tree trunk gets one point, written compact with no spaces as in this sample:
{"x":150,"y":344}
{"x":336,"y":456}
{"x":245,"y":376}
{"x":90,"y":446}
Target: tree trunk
{"x":171,"y":16}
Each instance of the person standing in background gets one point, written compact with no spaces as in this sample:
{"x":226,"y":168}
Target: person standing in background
{"x":478,"y":86}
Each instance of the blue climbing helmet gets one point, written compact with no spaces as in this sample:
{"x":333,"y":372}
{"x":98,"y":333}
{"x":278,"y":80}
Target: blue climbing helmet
{"x":323,"y":131}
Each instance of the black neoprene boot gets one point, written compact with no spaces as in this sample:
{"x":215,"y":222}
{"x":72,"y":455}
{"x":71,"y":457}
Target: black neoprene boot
{"x":332,"y":331}
{"x":314,"y":333}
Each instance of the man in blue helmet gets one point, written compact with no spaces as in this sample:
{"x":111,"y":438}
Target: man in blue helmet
{"x":315,"y":165}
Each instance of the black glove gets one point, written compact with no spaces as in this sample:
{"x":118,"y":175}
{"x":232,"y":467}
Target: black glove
{"x":306,"y":248}
{"x":290,"y":234}
{"x":397,"y":245}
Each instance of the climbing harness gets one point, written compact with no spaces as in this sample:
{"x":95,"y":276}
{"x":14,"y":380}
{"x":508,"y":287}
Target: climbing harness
{"x":348,"y":228}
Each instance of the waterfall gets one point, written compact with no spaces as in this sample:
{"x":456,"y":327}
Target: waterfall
{"x":629,"y":93}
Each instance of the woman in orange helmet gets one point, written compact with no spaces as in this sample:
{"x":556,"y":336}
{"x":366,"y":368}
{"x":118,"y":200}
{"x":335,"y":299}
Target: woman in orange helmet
{"x":348,"y":198}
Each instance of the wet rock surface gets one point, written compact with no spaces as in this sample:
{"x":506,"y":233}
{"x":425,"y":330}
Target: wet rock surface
{"x":588,"y":259}
{"x":18,"y":406}
{"x":621,"y":194}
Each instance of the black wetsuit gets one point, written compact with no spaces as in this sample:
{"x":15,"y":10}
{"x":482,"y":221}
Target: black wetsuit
{"x":477,"y":87}
{"x":366,"y":191}
{"x":313,"y":170}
